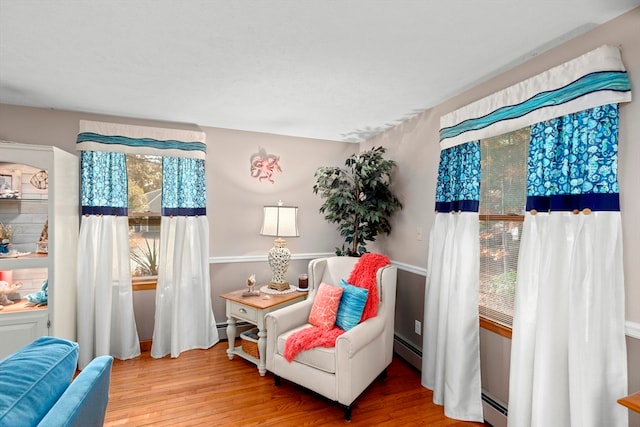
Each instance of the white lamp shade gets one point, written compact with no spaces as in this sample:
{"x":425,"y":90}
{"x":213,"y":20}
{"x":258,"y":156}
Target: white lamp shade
{"x":280,"y":221}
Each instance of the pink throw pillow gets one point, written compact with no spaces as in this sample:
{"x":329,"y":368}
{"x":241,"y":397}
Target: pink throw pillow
{"x":325,"y":306}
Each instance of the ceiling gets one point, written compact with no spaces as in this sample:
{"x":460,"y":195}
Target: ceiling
{"x":328,"y":69}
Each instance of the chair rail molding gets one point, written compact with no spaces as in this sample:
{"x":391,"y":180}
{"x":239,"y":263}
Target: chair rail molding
{"x":420,"y":271}
{"x":262,"y":258}
{"x":632,"y":329}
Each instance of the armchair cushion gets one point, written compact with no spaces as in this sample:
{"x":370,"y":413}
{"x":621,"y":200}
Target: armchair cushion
{"x":319,"y":357}
{"x":351,"y":305}
{"x":325,"y":306}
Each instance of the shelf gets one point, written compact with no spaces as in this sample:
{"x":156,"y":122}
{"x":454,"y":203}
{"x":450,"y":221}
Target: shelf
{"x":23,"y":199}
{"x":238,"y":351}
{"x":21,"y":306}
{"x":27,"y":261}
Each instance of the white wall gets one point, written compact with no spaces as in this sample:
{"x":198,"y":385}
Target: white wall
{"x":234,"y":198}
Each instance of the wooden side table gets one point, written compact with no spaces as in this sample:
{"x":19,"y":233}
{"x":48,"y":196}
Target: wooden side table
{"x":632,"y":402}
{"x":253,"y":309}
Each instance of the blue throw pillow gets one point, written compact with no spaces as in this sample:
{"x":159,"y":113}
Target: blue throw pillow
{"x":351,"y":305}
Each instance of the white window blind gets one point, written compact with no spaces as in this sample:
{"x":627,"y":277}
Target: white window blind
{"x":502,"y":202}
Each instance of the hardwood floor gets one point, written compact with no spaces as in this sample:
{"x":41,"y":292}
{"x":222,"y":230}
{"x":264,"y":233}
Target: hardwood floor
{"x":205,"y":388}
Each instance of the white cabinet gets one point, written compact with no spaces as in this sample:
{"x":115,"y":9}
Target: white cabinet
{"x":18,"y":327}
{"x":58,"y":204}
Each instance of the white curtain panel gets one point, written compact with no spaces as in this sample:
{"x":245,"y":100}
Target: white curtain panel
{"x":568,"y":349}
{"x":106,"y":323}
{"x":184,"y":317}
{"x":451,"y":346}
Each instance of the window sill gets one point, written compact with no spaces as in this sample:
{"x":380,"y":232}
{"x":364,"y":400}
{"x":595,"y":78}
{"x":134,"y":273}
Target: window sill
{"x":495,"y":327}
{"x":144,"y":284}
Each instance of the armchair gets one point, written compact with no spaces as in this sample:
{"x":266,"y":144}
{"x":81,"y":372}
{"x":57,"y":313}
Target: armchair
{"x":361,"y":354}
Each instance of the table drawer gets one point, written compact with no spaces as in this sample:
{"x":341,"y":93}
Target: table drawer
{"x":243,"y":312}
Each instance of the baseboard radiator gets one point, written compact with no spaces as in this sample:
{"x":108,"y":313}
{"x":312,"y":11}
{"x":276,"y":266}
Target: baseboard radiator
{"x":240,"y":327}
{"x":495,"y":412}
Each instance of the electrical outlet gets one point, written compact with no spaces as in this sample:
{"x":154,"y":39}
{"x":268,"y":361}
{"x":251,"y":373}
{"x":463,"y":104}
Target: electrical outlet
{"x":418,"y":327}
{"x":419,"y":233}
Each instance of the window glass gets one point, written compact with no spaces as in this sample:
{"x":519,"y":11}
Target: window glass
{"x":502,"y":202}
{"x":144,"y":174}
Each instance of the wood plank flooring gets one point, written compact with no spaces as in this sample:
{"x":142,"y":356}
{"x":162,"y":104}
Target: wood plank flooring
{"x":205,"y":388}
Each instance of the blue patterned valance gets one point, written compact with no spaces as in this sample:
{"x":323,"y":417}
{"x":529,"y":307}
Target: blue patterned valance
{"x":458,"y":187}
{"x":593,"y":79}
{"x":130,"y":139}
{"x":573,"y":162}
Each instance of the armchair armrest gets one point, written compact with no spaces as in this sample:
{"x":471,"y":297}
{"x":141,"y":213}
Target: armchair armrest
{"x":360,"y":336}
{"x":288,"y":317}
{"x":84,"y":403}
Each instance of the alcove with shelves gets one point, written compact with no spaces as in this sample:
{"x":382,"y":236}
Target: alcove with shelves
{"x":39,"y":200}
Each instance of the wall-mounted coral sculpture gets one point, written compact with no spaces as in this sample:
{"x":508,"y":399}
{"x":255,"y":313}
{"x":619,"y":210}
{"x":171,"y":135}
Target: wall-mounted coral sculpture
{"x":264,"y":165}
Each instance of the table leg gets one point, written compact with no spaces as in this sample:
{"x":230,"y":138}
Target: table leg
{"x":262,"y":350}
{"x":231,"y":336}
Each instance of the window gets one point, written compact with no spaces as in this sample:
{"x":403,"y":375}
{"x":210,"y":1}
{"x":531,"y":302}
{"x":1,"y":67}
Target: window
{"x":144,"y":175}
{"x":502,"y":202}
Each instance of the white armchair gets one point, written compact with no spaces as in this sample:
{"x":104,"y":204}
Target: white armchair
{"x":363,"y":353}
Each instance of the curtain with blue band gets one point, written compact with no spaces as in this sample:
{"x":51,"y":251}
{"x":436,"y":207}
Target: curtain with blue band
{"x":103,"y":183}
{"x":458,"y":186}
{"x":573,"y":162}
{"x":184,"y":318}
{"x":452,"y":289}
{"x":106,"y":320}
{"x":570,"y":285}
{"x":183,"y":187}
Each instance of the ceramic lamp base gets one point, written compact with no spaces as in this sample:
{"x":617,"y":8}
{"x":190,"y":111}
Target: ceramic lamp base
{"x":279,"y":259}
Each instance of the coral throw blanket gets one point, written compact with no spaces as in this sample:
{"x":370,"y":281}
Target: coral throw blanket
{"x":363,"y":276}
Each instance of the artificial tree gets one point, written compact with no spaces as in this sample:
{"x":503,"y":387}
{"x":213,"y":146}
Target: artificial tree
{"x":358,"y":198}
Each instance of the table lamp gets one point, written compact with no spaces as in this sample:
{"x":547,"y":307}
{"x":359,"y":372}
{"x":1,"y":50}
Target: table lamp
{"x":279,"y":221}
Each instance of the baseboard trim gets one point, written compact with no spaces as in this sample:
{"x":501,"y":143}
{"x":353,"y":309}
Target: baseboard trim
{"x":240,"y":328}
{"x":145,"y":345}
{"x":495,"y":412}
{"x":407,"y":351}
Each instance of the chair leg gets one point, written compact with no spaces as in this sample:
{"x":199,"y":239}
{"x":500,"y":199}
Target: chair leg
{"x":347,"y":413}
{"x":276,"y":380}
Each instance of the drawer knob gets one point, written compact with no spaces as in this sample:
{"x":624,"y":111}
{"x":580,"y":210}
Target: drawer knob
{"x":242,"y":310}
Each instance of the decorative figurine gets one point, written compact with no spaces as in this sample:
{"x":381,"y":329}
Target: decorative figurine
{"x":4,"y":246}
{"x":251,"y":283}
{"x":5,"y":289}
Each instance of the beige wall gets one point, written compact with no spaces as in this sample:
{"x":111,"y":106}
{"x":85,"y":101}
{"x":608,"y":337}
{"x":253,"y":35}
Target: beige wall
{"x":235,"y":199}
{"x":414,"y":145}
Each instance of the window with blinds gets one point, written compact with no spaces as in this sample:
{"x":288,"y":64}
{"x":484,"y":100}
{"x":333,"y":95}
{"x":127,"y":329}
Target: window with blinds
{"x":503,"y":192}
